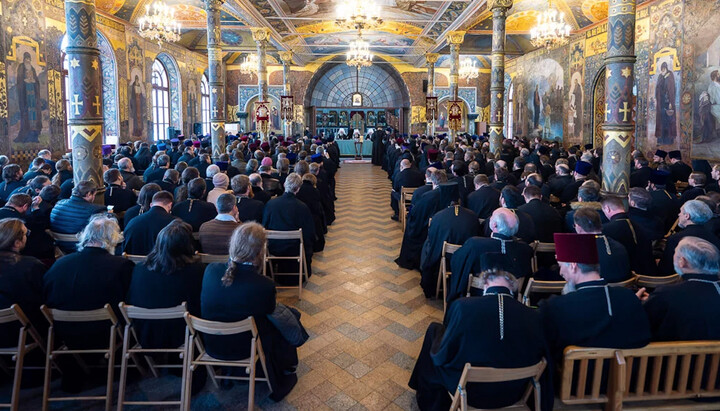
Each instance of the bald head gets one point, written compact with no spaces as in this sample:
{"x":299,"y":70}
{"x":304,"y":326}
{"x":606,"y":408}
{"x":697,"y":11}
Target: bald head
{"x":504,"y":221}
{"x":404,"y":164}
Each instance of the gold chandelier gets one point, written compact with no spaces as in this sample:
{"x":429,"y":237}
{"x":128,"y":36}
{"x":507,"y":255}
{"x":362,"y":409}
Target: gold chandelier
{"x":468,"y":69}
{"x":551,"y":29}
{"x":358,"y":14}
{"x":159,"y":24}
{"x":359,"y":54}
{"x":250,"y":64}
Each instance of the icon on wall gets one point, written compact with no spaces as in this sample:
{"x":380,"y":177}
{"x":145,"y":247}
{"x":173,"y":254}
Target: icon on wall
{"x":357,"y":100}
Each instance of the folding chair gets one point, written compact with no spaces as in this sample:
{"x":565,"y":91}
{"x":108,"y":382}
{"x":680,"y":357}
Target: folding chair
{"x":101,"y":314}
{"x":406,"y":194}
{"x":17,"y":353}
{"x":62,"y":238}
{"x":211,"y":258}
{"x":300,"y":258}
{"x":649,"y":281}
{"x":135,"y":258}
{"x":193,"y":340}
{"x":489,"y":375}
{"x":629,"y":283}
{"x":131,"y":313}
{"x":539,"y":247}
{"x":541,"y":287}
{"x":448,"y":249}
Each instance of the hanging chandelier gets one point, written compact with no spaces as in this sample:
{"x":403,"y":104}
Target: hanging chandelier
{"x":359,"y":54}
{"x":159,"y":24}
{"x":468,"y":69}
{"x":551,"y":29}
{"x":250,"y":64}
{"x":358,"y":14}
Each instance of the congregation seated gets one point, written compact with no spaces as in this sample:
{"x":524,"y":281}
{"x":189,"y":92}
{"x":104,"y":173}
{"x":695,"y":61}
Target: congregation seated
{"x":428,"y":186}
{"x":612,"y":256}
{"x":512,"y":199}
{"x":310,"y":195}
{"x":492,"y":330}
{"x":588,"y":197}
{"x":696,"y":188}
{"x":692,"y":220}
{"x":220,"y":186}
{"x":639,"y":200}
{"x":215,"y":234}
{"x":408,"y":176}
{"x":142,"y":204}
{"x":249,"y":209}
{"x":12,"y":176}
{"x":116,"y":194}
{"x":127,"y":170}
{"x":194,"y":210}
{"x":236,"y":290}
{"x":259,"y":193}
{"x":38,"y":167}
{"x":140,"y":233}
{"x":63,"y":173}
{"x":169,"y":180}
{"x":170,"y":275}
{"x":545,"y":217}
{"x":187,"y":175}
{"x":157,"y":171}
{"x":484,"y":199}
{"x":630,"y":235}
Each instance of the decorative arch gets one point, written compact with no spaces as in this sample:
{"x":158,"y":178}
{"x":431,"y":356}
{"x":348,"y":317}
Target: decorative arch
{"x":334,"y":83}
{"x":173,"y":73}
{"x":598,"y":108}
{"x":442,"y":120}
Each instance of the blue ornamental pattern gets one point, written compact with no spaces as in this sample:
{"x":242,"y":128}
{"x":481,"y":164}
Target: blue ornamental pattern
{"x":109,"y":86}
{"x":246,"y":93}
{"x":468,"y":94}
{"x":174,"y":79}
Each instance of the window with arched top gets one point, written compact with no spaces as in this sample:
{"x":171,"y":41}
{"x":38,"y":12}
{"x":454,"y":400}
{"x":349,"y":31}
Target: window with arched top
{"x":205,"y":103}
{"x":161,"y":100}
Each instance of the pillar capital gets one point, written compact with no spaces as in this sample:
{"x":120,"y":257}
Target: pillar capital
{"x":286,"y":57}
{"x":431,"y":58}
{"x":260,"y":34}
{"x":456,"y":37}
{"x":214,"y":4}
{"x":500,"y":4}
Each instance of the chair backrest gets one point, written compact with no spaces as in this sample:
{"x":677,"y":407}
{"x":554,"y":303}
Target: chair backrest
{"x":212,"y":258}
{"x":135,"y":258}
{"x":541,"y":287}
{"x":101,"y":314}
{"x":12,"y":314}
{"x":541,"y":247}
{"x":449,"y":248}
{"x":583,"y":372}
{"x":284,"y":235}
{"x":629,"y":283}
{"x":649,"y":281}
{"x":407,"y":192}
{"x":196,"y":324}
{"x":64,"y":238}
{"x":131,"y":312}
{"x":667,"y":370}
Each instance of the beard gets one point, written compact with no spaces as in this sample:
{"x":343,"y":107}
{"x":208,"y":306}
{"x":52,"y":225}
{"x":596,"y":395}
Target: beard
{"x":568,"y":288}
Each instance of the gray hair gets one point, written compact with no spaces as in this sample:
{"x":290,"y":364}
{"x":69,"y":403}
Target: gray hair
{"x":314,"y":168}
{"x":255,"y":179}
{"x":494,"y":273}
{"x":211,"y":170}
{"x":125,"y":164}
{"x":101,"y":231}
{"x":506,"y":222}
{"x":293,"y":182}
{"x":698,"y":211}
{"x":700,"y":254}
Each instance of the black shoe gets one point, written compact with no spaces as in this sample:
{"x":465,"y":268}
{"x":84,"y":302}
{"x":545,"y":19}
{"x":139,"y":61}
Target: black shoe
{"x":395,"y":218}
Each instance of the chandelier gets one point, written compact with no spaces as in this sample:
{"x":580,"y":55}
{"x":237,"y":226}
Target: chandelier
{"x":359,"y":54}
{"x":468,"y":69}
{"x":159,"y":23}
{"x":358,"y":14}
{"x":250,"y":64}
{"x":550,"y":30}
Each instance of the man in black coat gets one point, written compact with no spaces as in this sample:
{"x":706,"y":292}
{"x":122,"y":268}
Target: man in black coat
{"x":561,"y":179}
{"x":679,"y":171}
{"x":664,"y":205}
{"x":140,"y":233}
{"x":425,"y":188}
{"x":484,"y":332}
{"x":310,"y":195}
{"x":627,"y":233}
{"x":569,"y":193}
{"x":116,"y":194}
{"x":546,"y":219}
{"x":409,"y":177}
{"x":613,"y":257}
{"x":692,"y":219}
{"x":511,"y":198}
{"x":639,"y":213}
{"x":465,"y":181}
{"x":249,"y":209}
{"x":257,"y":188}
{"x":674,"y":311}
{"x":696,"y":187}
{"x":127,"y":170}
{"x":287,"y":213}
{"x":641,"y":175}
{"x":590,"y":313}
{"x":158,"y":171}
{"x":518,"y":255}
{"x":194,"y":210}
{"x":485,"y":199}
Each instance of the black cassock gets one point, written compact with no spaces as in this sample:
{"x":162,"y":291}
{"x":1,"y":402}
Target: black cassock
{"x":466,"y":261}
{"x":595,"y":315}
{"x":675,"y":314}
{"x":454,"y":224}
{"x":416,"y":229}
{"x":378,"y":151}
{"x":473,"y":334}
{"x":287,"y":213}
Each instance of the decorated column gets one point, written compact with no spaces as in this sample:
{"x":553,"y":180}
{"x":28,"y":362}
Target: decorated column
{"x":286,"y":58}
{"x":431,"y":59}
{"x":619,"y":127}
{"x":217,"y":85}
{"x":85,"y":117}
{"x":497,"y":74}
{"x":261,"y":37}
{"x":455,"y":39}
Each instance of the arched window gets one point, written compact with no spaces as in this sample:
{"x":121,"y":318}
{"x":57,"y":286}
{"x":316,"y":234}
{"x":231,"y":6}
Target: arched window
{"x":511,"y":112}
{"x":161,"y":100}
{"x":205,"y":104}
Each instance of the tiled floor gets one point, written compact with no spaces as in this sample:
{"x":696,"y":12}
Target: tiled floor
{"x":366,"y":316}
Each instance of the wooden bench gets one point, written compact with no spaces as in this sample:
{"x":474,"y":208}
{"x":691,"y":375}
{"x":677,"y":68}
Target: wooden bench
{"x":406,"y":194}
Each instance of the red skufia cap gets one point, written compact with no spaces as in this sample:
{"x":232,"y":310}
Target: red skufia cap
{"x":576,"y":248}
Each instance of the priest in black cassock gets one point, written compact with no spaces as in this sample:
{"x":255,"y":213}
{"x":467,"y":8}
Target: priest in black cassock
{"x":454,"y":224}
{"x":590,"y":313}
{"x":466,"y":260}
{"x":378,"y":147}
{"x":416,"y":228}
{"x":494,"y":330}
{"x":613,"y":257}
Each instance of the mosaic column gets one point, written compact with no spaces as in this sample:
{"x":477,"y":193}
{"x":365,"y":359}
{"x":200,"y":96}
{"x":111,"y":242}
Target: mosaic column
{"x":261,"y":37}
{"x":431,"y":59}
{"x":215,"y":78}
{"x":497,"y":75}
{"x":619,"y":126}
{"x":85,"y":117}
{"x":455,"y":38}
{"x":286,"y":58}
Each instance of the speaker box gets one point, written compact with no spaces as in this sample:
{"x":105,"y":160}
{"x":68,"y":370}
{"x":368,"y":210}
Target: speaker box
{"x":425,"y":86}
{"x":197,"y":129}
{"x":170,"y":133}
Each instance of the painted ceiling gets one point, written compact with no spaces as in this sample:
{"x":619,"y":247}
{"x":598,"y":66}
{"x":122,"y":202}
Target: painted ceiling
{"x":410,"y":28}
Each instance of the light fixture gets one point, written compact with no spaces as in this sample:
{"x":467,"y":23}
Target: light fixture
{"x":551,"y":29}
{"x":359,"y":54}
{"x":358,"y":14}
{"x":159,"y":23}
{"x":250,"y":64}
{"x":468,"y":69}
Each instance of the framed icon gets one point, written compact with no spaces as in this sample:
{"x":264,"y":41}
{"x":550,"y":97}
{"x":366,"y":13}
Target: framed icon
{"x":357,"y":100}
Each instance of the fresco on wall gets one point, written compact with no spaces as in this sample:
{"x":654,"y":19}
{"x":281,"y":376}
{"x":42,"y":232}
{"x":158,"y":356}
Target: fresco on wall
{"x":137,"y":102}
{"x":544,"y":99}
{"x":193,"y":103}
{"x":27,"y":92}
{"x":664,"y":98}
{"x":576,"y":94}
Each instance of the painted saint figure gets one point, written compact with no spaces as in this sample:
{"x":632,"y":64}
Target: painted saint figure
{"x":29,"y":103}
{"x":577,"y":94}
{"x":536,"y":108}
{"x":665,"y":127}
{"x":137,"y":104}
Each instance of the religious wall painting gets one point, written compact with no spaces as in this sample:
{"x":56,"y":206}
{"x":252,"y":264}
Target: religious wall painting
{"x":193,"y":103}
{"x":381,"y":119}
{"x":343,"y":121}
{"x":576,"y":94}
{"x":137,"y":104}
{"x":332,"y":118}
{"x":706,"y":99}
{"x":544,"y":99}
{"x":320,"y":119}
{"x":371,"y":118}
{"x":27,"y":88}
{"x":664,"y":99}
{"x":274,"y":121}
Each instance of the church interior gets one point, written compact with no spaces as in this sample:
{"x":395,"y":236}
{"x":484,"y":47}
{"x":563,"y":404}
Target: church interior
{"x":359,"y":204}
